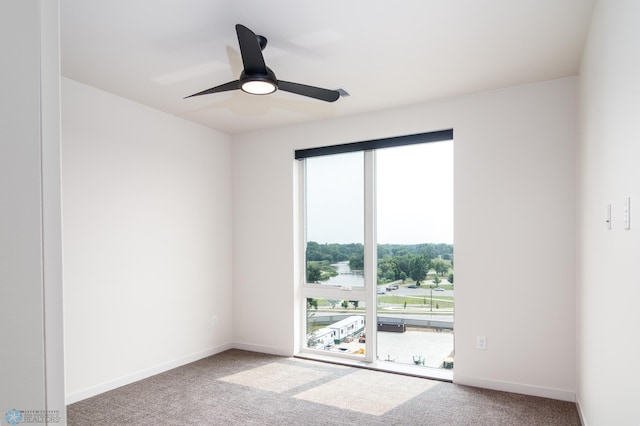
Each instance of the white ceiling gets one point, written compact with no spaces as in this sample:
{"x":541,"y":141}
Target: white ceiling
{"x":385,"y":54}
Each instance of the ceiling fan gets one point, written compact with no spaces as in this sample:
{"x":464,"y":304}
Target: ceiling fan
{"x":258,"y":79}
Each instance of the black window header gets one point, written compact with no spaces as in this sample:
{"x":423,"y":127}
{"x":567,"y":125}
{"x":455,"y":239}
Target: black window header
{"x":441,"y":135}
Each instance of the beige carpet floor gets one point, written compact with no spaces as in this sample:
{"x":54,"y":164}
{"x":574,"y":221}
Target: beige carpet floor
{"x":246,"y":388}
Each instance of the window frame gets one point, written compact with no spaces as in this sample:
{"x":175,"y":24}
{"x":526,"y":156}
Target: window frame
{"x":366,"y":293}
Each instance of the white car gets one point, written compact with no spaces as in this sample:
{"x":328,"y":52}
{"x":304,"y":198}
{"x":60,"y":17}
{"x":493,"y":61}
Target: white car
{"x":381,"y":291}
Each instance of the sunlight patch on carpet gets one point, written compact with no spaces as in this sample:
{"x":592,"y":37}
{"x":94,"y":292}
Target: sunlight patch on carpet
{"x":275,"y":377}
{"x":367,"y":391}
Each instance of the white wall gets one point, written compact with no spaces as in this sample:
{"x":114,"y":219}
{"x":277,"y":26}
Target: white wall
{"x":514,"y":230}
{"x":30,"y":251}
{"x":609,"y":279}
{"x":147,"y":240}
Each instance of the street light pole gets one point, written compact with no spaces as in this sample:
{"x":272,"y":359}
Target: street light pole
{"x":431,"y":304}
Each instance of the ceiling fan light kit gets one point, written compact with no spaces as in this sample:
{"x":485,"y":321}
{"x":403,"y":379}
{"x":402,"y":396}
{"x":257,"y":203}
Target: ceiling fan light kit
{"x":258,"y":79}
{"x":259,"y":84}
{"x":258,"y":87}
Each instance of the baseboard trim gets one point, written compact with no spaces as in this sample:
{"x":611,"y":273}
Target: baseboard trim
{"x":545,"y":392}
{"x":143,"y":374}
{"x":580,"y":413}
{"x":272,"y":350}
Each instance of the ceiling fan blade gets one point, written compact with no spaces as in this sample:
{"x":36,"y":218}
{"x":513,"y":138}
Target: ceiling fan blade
{"x":309,"y":91}
{"x":232,"y":85}
{"x":250,"y":50}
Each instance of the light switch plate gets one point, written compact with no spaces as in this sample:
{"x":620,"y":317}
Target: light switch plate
{"x":627,"y":213}
{"x":481,"y":343}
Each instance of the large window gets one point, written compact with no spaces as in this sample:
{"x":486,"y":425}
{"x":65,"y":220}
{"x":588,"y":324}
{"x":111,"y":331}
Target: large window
{"x":378,"y":250}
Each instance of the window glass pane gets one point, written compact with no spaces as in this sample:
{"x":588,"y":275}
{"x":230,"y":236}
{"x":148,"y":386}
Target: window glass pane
{"x":415,"y":292}
{"x":334,"y":220}
{"x":336,"y":325}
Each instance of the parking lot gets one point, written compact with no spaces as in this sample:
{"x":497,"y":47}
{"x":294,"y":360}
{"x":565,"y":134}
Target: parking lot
{"x":429,"y":345}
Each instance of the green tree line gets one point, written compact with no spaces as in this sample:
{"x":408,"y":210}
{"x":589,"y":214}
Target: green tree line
{"x":395,"y":261}
{"x":333,"y":253}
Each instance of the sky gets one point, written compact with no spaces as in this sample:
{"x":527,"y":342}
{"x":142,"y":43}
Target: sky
{"x":414,"y":190}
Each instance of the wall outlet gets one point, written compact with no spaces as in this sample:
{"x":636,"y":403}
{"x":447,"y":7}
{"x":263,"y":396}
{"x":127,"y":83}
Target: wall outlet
{"x":481,"y":343}
{"x":214,"y":321}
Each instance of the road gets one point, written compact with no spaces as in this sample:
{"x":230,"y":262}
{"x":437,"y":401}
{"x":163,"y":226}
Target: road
{"x":395,"y":311}
{"x":420,"y":291}
{"x":391,"y":314}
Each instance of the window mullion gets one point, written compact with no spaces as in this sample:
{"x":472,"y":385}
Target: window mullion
{"x":370,"y":257}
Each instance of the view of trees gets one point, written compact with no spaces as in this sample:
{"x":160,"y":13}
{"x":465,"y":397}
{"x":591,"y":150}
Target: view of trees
{"x":418,"y":268}
{"x":312,"y":303}
{"x":332,"y":253}
{"x":314,"y":273}
{"x":440,"y":266}
{"x":395,"y":261}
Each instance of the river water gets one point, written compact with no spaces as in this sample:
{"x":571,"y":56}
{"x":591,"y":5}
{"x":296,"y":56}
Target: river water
{"x":346,"y":277}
